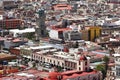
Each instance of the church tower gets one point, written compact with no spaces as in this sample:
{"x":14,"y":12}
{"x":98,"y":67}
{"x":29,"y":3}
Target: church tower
{"x":83,"y":63}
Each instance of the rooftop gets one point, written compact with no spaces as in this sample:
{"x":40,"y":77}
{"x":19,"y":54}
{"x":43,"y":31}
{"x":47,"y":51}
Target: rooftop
{"x":62,"y":7}
{"x":4,"y":56}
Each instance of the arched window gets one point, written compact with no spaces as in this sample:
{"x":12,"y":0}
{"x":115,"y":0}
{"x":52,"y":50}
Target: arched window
{"x":94,"y":78}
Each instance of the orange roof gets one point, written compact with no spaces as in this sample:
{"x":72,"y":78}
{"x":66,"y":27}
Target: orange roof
{"x":12,"y":71}
{"x":62,"y":7}
{"x":62,"y":29}
{"x":7,"y":57}
{"x":73,"y":75}
{"x":111,"y":64}
{"x":2,"y":38}
{"x":83,"y":58}
{"x":16,"y":40}
{"x":53,"y":75}
{"x":66,"y":49}
{"x":99,"y":55}
{"x":69,"y":72}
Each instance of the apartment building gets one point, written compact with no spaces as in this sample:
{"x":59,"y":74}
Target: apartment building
{"x":10,"y":23}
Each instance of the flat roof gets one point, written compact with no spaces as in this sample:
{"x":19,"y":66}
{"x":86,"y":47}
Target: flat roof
{"x":62,"y":7}
{"x":77,"y":17}
{"x":62,"y":29}
{"x":42,"y":47}
{"x":22,"y":31}
{"x":4,"y":56}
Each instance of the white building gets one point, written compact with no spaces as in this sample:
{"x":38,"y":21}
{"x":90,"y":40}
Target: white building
{"x":68,"y":60}
{"x":117,"y":64}
{"x":16,"y":32}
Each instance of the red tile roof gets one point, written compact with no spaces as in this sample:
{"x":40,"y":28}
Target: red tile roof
{"x":62,"y":7}
{"x":16,"y":40}
{"x":76,"y":74}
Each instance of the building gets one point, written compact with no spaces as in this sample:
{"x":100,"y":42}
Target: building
{"x":85,"y":35}
{"x":110,"y":75}
{"x":93,"y":33}
{"x":58,"y":33}
{"x":64,"y":34}
{"x":4,"y":56}
{"x":72,"y":35}
{"x":27,"y":51}
{"x":41,"y":29}
{"x":22,"y":33}
{"x":15,"y":51}
{"x":32,"y":74}
{"x":117,"y":65}
{"x":62,"y":7}
{"x":9,"y":4}
{"x":5,"y":70}
{"x":72,"y":61}
{"x":12,"y":42}
{"x":10,"y":23}
{"x":27,"y":75}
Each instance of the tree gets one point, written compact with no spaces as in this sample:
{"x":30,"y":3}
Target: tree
{"x":59,"y":68}
{"x":106,"y":61}
{"x":29,"y":35}
{"x":102,"y":69}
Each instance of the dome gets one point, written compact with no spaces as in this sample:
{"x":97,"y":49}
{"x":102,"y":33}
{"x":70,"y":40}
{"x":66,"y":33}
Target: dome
{"x":53,"y":75}
{"x":83,"y":58}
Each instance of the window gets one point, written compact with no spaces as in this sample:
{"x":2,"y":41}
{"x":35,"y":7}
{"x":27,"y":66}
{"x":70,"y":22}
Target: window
{"x":79,"y":63}
{"x":86,"y":68}
{"x":79,"y":68}
{"x":74,"y":65}
{"x":86,"y":63}
{"x":54,"y":62}
{"x":58,"y":62}
{"x":62,"y":64}
{"x":94,"y":78}
{"x":118,"y":71}
{"x":44,"y":59}
{"x":50,"y":60}
{"x":47,"y":60}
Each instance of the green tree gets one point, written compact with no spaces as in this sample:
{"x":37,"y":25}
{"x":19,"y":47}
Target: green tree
{"x":102,"y":69}
{"x":29,"y":35}
{"x":106,"y":62}
{"x":59,"y":68}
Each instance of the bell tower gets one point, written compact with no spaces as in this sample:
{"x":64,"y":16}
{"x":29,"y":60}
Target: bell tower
{"x":83,"y":63}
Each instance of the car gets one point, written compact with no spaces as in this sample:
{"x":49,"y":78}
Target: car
{"x":48,"y":67}
{"x":47,"y":64}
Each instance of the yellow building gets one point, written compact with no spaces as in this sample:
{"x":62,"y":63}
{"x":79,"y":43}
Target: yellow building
{"x":93,"y":33}
{"x":90,"y":33}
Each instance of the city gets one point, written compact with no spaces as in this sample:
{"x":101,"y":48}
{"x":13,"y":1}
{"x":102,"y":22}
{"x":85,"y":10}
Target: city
{"x":59,"y":39}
